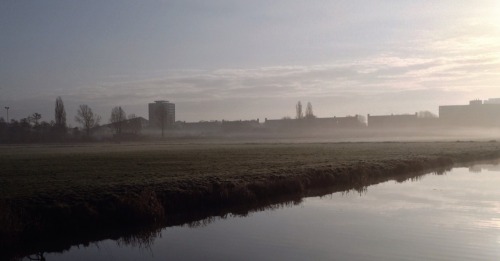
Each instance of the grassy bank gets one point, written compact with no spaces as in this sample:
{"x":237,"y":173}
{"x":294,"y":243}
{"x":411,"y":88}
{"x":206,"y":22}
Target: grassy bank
{"x":52,"y":192}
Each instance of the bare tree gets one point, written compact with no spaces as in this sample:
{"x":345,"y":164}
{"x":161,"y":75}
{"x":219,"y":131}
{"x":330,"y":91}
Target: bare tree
{"x":298,"y":109}
{"x":117,"y":119}
{"x":87,"y":118}
{"x":309,"y":111}
{"x":426,"y":114}
{"x":34,"y":118}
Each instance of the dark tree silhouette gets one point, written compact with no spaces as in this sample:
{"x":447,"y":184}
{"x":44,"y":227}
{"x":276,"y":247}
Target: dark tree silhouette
{"x":4,"y":127}
{"x":426,"y":114}
{"x":298,"y":109}
{"x":309,"y":111}
{"x":60,"y":117}
{"x":35,"y":117}
{"x":117,"y":119}
{"x":87,"y":118}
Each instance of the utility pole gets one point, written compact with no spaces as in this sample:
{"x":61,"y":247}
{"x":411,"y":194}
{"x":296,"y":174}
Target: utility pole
{"x":7,"y":108}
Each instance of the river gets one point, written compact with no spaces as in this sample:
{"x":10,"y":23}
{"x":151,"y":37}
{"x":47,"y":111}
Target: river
{"x":452,"y":216}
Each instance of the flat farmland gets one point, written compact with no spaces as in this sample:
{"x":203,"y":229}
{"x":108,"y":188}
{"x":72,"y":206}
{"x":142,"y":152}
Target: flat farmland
{"x":31,"y":171}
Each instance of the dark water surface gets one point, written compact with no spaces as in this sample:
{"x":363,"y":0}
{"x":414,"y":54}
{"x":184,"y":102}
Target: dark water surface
{"x":455,"y":216}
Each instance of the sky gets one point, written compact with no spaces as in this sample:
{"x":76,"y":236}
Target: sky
{"x":232,"y":60}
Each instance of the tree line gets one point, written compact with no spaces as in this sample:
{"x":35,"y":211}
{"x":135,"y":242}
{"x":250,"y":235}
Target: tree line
{"x":33,"y":129}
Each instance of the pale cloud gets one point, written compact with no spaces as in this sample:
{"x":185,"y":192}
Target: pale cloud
{"x":461,"y":66}
{"x":385,"y":73}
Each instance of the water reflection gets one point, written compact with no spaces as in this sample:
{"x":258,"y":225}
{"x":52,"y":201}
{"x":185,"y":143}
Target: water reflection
{"x":487,"y":167}
{"x":377,"y":218}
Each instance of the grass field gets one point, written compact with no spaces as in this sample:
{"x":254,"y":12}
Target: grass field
{"x":62,"y":189}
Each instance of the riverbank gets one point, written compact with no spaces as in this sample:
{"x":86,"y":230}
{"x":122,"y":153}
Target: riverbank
{"x":57,"y":192}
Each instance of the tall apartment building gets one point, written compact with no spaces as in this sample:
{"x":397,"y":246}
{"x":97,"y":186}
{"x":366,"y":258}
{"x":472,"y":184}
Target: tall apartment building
{"x":161,"y":110}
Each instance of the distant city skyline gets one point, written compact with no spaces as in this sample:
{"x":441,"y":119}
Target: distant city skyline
{"x":247,"y":60}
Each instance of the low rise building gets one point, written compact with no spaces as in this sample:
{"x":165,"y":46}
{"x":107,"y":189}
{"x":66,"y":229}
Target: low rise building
{"x":393,"y":121}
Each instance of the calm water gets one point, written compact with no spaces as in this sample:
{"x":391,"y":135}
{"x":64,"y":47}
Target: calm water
{"x":455,"y":216}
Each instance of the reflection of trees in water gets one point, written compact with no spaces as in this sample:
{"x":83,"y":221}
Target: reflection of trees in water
{"x":480,"y":167}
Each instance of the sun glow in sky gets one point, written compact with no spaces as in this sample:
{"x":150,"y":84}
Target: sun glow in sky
{"x":244,"y":60}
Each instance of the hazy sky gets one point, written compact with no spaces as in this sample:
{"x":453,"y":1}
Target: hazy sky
{"x":247,"y":59}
